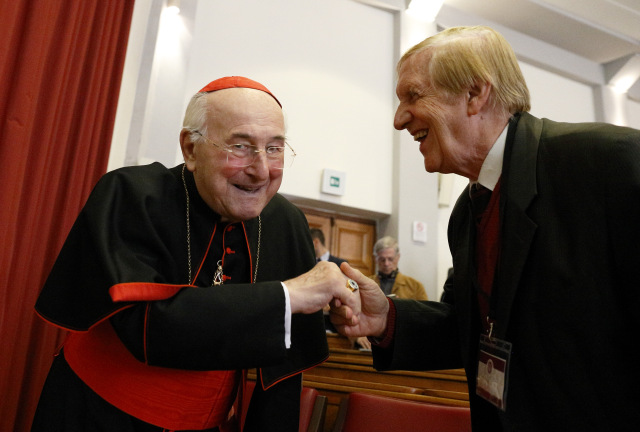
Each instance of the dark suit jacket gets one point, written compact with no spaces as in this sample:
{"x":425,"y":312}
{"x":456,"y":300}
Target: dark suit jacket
{"x":335,"y":259}
{"x":567,"y":286}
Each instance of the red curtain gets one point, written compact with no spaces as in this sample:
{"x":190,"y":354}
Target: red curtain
{"x":61,"y":65}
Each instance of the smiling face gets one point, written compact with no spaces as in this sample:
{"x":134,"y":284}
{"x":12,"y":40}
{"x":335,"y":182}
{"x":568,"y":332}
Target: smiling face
{"x":437,"y":120}
{"x":236,"y":116}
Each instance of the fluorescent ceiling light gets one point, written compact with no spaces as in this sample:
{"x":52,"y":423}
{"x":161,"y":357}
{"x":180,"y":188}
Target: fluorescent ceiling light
{"x":173,"y":7}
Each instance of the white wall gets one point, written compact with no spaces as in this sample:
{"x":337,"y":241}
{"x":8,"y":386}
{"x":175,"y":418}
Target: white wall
{"x":332,"y":65}
{"x":134,"y":67}
{"x":633,"y":117}
{"x":558,"y":98}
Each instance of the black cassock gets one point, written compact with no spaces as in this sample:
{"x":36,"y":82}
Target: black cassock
{"x":130,"y":243}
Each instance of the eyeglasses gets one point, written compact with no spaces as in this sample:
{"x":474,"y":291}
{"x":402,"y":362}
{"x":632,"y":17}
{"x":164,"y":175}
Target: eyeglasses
{"x":243,"y":155}
{"x":383,"y":260}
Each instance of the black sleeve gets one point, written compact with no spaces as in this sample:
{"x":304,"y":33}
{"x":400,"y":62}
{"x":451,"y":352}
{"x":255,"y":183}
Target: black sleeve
{"x":447,"y":294}
{"x":119,"y":237}
{"x":425,"y":338}
{"x":208,"y":328}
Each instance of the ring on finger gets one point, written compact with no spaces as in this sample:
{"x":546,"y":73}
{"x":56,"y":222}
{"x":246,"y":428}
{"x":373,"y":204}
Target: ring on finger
{"x":352,"y":285}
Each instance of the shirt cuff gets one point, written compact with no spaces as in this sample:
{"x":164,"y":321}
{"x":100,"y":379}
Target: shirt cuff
{"x":287,"y":317}
{"x":385,"y":340}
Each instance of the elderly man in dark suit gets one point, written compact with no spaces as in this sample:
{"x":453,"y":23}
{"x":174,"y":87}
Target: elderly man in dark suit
{"x":542,"y":308}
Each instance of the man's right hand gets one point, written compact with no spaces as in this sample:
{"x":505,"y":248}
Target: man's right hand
{"x":370,"y":319}
{"x":314,"y":289}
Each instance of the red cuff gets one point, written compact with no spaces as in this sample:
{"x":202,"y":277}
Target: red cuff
{"x":387,"y":337}
{"x":143,"y":291}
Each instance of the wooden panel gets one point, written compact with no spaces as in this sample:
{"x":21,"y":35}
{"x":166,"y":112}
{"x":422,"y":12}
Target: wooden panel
{"x":353,"y":241}
{"x":346,"y":237}
{"x":347,"y":371}
{"x":322,"y":222}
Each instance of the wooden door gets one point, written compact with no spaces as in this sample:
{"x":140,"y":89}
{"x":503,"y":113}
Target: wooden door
{"x":354,"y":241}
{"x":347,"y":237}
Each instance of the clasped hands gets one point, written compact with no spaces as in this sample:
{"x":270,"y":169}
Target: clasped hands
{"x":360,"y":312}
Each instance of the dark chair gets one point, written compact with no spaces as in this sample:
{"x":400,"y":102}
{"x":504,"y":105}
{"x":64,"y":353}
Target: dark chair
{"x":313,"y":408}
{"x":372,"y":413}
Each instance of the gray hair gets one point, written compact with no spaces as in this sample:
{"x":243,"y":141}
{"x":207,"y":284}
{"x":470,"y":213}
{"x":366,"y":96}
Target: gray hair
{"x":384,"y":243}
{"x":195,"y":117}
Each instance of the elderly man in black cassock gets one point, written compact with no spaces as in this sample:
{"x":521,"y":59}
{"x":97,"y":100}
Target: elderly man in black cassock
{"x":175,"y":281}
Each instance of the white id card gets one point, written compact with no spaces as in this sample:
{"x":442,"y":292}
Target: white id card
{"x":493,"y":370}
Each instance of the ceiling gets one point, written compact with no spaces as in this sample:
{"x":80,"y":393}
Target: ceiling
{"x":598,"y":30}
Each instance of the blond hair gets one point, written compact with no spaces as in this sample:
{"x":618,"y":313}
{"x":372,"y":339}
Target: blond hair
{"x":461,"y":57}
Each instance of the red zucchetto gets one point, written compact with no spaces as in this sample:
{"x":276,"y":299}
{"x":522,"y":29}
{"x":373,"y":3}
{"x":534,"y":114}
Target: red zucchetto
{"x":236,"y":82}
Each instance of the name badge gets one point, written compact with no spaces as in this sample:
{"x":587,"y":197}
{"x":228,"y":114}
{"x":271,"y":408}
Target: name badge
{"x":493,"y":370}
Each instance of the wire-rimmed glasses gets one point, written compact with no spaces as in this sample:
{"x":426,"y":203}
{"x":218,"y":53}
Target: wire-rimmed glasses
{"x":243,"y":155}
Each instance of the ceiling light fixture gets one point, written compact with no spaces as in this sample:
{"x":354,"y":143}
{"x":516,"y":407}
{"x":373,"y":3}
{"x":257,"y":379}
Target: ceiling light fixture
{"x":173,"y":7}
{"x":424,"y":10}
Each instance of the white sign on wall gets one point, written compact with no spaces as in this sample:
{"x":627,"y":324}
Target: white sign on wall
{"x":419,"y":231}
{"x":333,"y":182}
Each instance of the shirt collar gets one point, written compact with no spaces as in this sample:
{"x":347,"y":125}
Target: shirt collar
{"x":492,"y":166}
{"x":324,"y":256}
{"x":391,"y":275}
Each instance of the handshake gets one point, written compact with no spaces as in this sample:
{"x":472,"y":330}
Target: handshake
{"x":358,"y":305}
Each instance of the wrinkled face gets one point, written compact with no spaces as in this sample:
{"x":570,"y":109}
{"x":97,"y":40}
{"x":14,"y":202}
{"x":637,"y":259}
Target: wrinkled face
{"x":387,"y":260}
{"x":435,"y":119}
{"x":237,"y":116}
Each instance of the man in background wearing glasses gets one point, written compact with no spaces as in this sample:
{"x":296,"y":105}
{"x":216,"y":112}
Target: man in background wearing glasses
{"x":390,"y":280}
{"x":175,"y":281}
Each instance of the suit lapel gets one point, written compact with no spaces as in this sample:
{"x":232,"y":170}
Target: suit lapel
{"x":518,"y":191}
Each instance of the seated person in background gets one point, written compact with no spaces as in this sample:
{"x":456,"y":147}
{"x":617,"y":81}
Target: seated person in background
{"x":322,"y":254}
{"x":391,"y":281}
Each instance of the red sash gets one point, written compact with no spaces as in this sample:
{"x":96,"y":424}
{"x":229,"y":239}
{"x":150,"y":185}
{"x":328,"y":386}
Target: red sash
{"x":169,"y":398}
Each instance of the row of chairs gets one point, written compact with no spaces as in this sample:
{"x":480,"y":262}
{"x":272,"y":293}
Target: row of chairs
{"x":360,"y":412}
{"x":313,"y":408}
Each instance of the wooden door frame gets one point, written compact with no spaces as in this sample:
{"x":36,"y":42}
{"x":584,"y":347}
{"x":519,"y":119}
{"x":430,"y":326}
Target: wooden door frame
{"x":336,"y":226}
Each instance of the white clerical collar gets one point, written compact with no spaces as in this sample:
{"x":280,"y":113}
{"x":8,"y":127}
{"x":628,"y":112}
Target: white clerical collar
{"x":492,"y":166}
{"x":324,"y":256}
